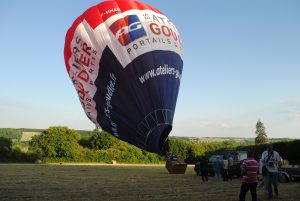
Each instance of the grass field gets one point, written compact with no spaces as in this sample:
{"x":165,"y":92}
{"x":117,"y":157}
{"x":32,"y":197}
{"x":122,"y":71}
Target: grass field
{"x":121,"y":182}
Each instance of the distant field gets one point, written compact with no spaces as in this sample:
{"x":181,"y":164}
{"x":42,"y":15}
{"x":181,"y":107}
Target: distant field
{"x":27,"y":136}
{"x":91,"y":182}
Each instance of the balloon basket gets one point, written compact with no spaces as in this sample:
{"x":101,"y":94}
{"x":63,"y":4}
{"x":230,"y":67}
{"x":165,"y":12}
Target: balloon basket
{"x":176,"y":166}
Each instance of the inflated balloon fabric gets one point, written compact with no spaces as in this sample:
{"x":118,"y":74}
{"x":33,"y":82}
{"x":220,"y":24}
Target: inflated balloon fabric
{"x":125,"y":61}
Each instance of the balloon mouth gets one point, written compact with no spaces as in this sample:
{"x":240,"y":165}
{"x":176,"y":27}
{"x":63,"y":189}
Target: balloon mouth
{"x":164,"y":140}
{"x":159,"y":145}
{"x":153,"y":131}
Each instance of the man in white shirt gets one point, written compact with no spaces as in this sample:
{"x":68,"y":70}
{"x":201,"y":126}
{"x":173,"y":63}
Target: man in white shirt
{"x":272,"y":161}
{"x":225,"y":169}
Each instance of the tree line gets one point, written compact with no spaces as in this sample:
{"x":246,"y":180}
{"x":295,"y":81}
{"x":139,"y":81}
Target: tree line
{"x":61,"y":144}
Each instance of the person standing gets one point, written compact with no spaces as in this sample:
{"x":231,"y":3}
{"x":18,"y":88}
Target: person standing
{"x":271,"y":161}
{"x":217,"y":165}
{"x":225,"y":169}
{"x":230,"y":167}
{"x":204,"y":169}
{"x":249,"y":169}
{"x":262,"y":183}
{"x":197,"y":167}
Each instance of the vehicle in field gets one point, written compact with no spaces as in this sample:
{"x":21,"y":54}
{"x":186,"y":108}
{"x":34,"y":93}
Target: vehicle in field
{"x":289,"y":173}
{"x":238,"y":157}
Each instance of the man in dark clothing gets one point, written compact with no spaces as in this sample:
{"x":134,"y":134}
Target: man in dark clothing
{"x":204,"y":169}
{"x":249,"y":172}
{"x":197,"y":168}
{"x":230,"y":167}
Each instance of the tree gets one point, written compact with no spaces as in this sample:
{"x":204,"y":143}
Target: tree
{"x":11,"y":133}
{"x":5,"y":148}
{"x":187,"y":150}
{"x":261,"y":135}
{"x":56,"y":142}
{"x":101,"y":140}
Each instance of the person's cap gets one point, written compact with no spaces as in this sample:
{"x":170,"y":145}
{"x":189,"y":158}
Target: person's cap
{"x":269,"y":146}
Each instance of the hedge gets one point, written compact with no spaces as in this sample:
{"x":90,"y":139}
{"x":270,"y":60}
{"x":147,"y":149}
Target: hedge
{"x":288,"y":150}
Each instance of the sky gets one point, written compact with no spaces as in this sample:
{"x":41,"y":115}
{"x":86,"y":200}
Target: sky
{"x":241,"y":64}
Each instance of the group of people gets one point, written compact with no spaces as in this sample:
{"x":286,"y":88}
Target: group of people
{"x":267,"y":167}
{"x":223,"y":168}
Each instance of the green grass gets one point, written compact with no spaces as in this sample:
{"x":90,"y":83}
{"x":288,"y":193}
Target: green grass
{"x":91,"y":182}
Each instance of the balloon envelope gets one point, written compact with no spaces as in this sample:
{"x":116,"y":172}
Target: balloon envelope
{"x":125,"y":61}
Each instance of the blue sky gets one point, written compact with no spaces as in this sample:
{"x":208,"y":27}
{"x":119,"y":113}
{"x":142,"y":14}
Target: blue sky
{"x":242,"y":63}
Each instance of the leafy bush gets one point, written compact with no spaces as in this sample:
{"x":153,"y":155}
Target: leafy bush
{"x":60,"y":144}
{"x":5,"y":149}
{"x":10,"y":153}
{"x":101,"y":140}
{"x":188,"y":150}
{"x":84,"y":142}
{"x":56,"y":142}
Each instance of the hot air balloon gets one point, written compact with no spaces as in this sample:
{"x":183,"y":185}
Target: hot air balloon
{"x":125,"y":60}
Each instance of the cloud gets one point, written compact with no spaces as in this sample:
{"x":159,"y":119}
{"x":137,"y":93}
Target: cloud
{"x":210,"y":126}
{"x":281,"y":120}
{"x":294,"y":103}
{"x":292,"y":109}
{"x":294,"y":115}
{"x":216,"y":121}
